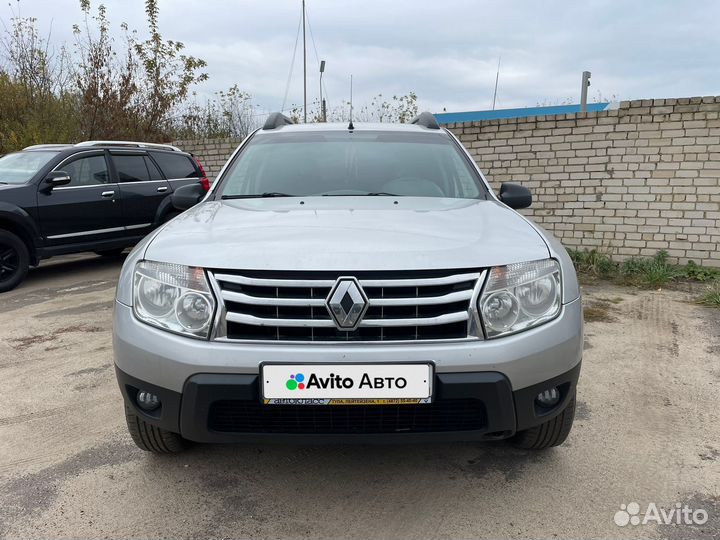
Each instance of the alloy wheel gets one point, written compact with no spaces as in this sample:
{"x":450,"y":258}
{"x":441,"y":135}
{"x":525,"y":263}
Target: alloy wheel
{"x":9,"y":262}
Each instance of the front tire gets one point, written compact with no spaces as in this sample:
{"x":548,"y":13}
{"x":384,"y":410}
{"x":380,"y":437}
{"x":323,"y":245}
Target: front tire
{"x":14,"y":261}
{"x":152,"y":438}
{"x":550,"y":433}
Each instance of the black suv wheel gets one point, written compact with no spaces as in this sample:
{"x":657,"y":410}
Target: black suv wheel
{"x":14,"y":261}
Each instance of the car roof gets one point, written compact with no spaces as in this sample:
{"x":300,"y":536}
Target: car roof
{"x":343,"y":126}
{"x":69,"y":149}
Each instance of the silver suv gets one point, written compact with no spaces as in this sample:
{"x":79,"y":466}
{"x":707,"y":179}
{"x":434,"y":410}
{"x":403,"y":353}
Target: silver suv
{"x":348,"y":282}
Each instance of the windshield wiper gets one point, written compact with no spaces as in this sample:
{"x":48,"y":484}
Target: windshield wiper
{"x":265,"y":195}
{"x":371,"y":194}
{"x":270,"y":194}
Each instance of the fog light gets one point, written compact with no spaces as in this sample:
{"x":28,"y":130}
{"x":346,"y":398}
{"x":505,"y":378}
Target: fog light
{"x":147,"y":401}
{"x":548,"y":398}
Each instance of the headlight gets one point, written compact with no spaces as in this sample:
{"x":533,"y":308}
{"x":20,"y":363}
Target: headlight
{"x":173,"y":297}
{"x":520,"y":296}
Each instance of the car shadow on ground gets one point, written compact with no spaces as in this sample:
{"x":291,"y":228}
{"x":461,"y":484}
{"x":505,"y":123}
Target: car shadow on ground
{"x":82,"y":261}
{"x":244,"y":484}
{"x":64,"y":276}
{"x":67,"y":265}
{"x":298,"y":480}
{"x":474,"y":459}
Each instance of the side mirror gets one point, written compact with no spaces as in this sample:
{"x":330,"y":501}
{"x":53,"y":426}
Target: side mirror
{"x":186,"y":197}
{"x":57,"y":178}
{"x":515,"y":195}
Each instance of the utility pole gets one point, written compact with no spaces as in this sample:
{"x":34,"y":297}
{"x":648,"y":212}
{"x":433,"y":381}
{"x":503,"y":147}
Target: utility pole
{"x":304,"y":66}
{"x":583,"y":91}
{"x":322,"y":101}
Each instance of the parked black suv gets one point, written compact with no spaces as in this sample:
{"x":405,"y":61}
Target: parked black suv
{"x":99,"y":196}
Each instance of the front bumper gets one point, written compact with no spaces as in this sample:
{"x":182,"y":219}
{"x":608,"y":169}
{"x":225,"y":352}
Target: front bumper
{"x":466,"y":406}
{"x":168,"y":360}
{"x":483,"y":389}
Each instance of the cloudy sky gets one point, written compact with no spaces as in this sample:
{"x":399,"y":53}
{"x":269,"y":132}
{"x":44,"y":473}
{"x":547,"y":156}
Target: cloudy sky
{"x":446,"y":51}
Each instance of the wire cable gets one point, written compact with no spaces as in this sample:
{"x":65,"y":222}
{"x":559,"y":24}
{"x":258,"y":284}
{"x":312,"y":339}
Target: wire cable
{"x":312,"y":37}
{"x":317,"y":56}
{"x":292,"y":65}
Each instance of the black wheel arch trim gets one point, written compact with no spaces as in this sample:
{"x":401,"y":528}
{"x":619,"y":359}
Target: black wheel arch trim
{"x":21,"y":222}
{"x":165,"y":207}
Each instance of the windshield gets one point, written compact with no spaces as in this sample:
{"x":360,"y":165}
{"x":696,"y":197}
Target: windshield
{"x":20,"y":167}
{"x":342,"y":163}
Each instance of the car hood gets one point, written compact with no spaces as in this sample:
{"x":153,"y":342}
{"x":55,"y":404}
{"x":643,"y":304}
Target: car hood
{"x":347,"y":233}
{"x":7,"y":187}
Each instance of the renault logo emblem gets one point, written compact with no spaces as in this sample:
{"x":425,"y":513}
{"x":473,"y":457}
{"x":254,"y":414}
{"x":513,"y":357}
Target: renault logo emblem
{"x":347,"y":303}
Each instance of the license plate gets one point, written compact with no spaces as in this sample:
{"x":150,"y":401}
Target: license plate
{"x":346,"y":384}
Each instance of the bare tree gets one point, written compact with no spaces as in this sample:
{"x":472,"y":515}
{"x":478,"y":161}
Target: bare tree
{"x":105,"y":81}
{"x":110,"y":86}
{"x":35,"y":102}
{"x":167,"y":74}
{"x":398,"y":109}
{"x":136,"y":90}
{"x":30,"y":60}
{"x":230,"y":114}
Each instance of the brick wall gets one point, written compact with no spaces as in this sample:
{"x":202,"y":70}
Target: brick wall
{"x":629,"y":181}
{"x":212,"y":153}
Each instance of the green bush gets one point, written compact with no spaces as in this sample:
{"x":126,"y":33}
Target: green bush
{"x":700,"y":273}
{"x":712,"y":297}
{"x":650,"y":272}
{"x":593,"y":262}
{"x":646,"y":272}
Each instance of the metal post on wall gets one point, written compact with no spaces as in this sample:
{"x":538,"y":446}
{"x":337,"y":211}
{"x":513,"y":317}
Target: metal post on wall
{"x":583,"y":91}
{"x":497,"y":78}
{"x":322,"y":101}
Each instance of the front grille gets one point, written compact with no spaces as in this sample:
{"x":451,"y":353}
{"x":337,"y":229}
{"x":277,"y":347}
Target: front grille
{"x":291,"y":306}
{"x":235,"y":416}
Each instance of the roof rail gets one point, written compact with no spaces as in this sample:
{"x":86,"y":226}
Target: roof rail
{"x":131,"y":143}
{"x":48,"y":146}
{"x":276,"y":120}
{"x":425,"y":119}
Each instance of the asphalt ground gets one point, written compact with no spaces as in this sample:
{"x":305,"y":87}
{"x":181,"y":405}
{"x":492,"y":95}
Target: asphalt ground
{"x":647,"y":431}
